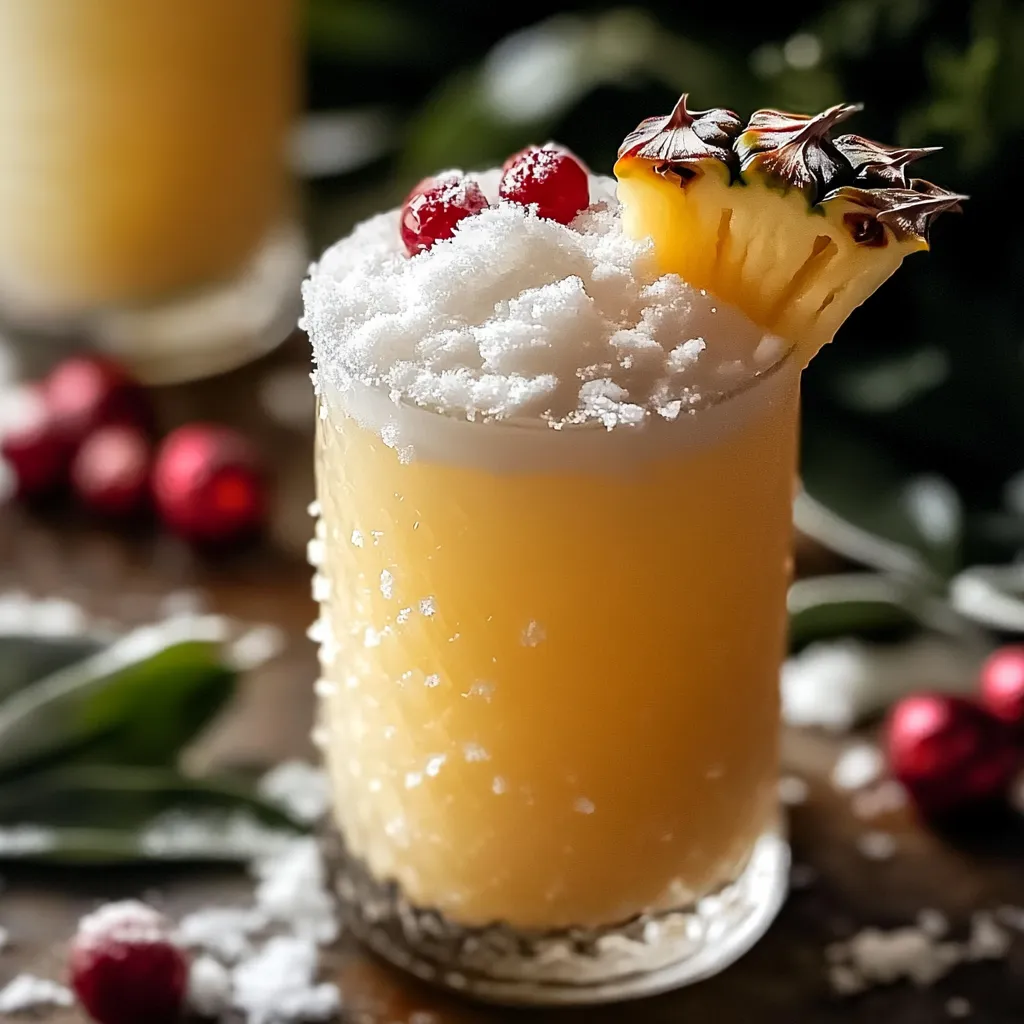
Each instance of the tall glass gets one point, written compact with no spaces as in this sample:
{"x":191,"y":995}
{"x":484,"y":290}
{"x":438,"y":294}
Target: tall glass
{"x":549,"y":696}
{"x":144,"y":194}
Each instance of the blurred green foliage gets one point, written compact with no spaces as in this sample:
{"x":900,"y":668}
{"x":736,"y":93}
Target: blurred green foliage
{"x":925,"y":386}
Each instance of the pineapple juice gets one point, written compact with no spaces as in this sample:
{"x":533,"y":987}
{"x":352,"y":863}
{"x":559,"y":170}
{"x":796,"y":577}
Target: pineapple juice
{"x":551,"y":689}
{"x":143,"y":144}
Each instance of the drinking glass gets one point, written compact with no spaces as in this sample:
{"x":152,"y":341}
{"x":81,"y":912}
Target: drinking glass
{"x":549,"y":694}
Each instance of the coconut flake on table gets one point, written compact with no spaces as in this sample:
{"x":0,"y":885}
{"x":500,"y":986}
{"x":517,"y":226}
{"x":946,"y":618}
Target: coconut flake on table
{"x":838,"y":683}
{"x":518,"y":317}
{"x":223,"y":932}
{"x":209,"y":987}
{"x":292,"y":890}
{"x":912,"y":953}
{"x":43,"y":617}
{"x":28,"y":994}
{"x":299,"y":788}
{"x":278,"y":985}
{"x":858,"y":766}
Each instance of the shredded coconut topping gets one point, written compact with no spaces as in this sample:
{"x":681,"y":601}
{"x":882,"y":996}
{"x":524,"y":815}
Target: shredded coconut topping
{"x":517,"y":317}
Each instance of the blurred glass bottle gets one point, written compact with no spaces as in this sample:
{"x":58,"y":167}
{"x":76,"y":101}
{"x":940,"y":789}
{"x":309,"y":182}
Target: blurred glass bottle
{"x":145,"y":199}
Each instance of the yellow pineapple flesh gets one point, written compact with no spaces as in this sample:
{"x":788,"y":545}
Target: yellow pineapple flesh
{"x":778,"y":219}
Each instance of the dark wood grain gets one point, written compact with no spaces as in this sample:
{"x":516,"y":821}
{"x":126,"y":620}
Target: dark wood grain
{"x":781,"y":982}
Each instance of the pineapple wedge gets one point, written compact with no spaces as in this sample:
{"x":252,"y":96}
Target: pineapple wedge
{"x":792,"y":227}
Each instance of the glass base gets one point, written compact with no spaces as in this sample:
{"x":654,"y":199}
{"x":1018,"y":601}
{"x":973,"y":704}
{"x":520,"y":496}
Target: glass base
{"x":641,"y":957}
{"x":197,"y":334}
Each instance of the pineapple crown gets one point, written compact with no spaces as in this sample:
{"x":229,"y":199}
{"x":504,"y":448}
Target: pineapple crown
{"x":796,"y":151}
{"x":684,"y":135}
{"x":793,"y":149}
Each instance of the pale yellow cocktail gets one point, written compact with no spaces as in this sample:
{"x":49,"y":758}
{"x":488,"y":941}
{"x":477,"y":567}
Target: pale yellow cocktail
{"x":143,"y":145}
{"x":554,"y":476}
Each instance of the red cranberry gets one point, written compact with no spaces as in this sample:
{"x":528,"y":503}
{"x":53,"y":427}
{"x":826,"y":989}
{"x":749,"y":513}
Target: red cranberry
{"x":1002,"y":687}
{"x":434,"y":207}
{"x":949,"y":753}
{"x":124,"y":967}
{"x":110,"y":472}
{"x":550,"y":178}
{"x":29,"y":442}
{"x":208,"y":484}
{"x":86,"y":392}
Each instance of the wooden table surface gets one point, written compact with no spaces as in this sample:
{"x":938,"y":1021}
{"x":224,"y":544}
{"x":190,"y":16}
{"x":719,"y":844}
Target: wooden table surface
{"x":781,"y":982}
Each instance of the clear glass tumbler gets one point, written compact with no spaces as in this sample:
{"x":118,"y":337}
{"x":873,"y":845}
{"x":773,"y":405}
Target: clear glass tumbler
{"x":549,"y":702}
{"x":144,"y":192}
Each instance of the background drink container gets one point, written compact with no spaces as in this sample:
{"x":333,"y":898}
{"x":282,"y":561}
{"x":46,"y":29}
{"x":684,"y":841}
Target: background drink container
{"x":144,"y":181}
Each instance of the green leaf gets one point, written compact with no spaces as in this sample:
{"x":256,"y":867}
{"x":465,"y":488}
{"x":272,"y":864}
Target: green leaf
{"x":103,"y":814}
{"x":24,"y":659}
{"x":866,"y":605}
{"x":137,"y":702}
{"x":859,"y":501}
{"x":367,"y":31}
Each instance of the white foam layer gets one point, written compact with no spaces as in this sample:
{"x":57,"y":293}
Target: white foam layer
{"x":531,"y":446}
{"x":527,"y":321}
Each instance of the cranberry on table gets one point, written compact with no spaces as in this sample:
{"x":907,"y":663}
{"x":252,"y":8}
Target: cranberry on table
{"x":548,"y":178}
{"x":110,"y":471}
{"x":30,"y":444}
{"x":208,"y":484}
{"x":434,"y":208}
{"x":949,"y":753}
{"x":85,"y":392}
{"x":1002,"y":686}
{"x":124,"y":967}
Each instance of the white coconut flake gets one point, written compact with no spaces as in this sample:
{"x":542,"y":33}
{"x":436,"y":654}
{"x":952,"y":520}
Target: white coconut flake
{"x":223,"y":932}
{"x":858,"y":766}
{"x":209,"y":987}
{"x":793,"y":790}
{"x":292,"y":890}
{"x":516,"y":316}
{"x":836,"y":684}
{"x":28,"y":994}
{"x":298,"y":787}
{"x":919,"y":954}
{"x":278,"y":986}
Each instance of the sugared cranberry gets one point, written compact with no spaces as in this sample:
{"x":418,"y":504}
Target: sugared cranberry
{"x":124,"y":967}
{"x":85,"y":392}
{"x":29,"y":442}
{"x":949,"y":753}
{"x":208,"y":484}
{"x":434,"y":207}
{"x":549,"y":178}
{"x":1002,"y":687}
{"x":110,"y":472}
